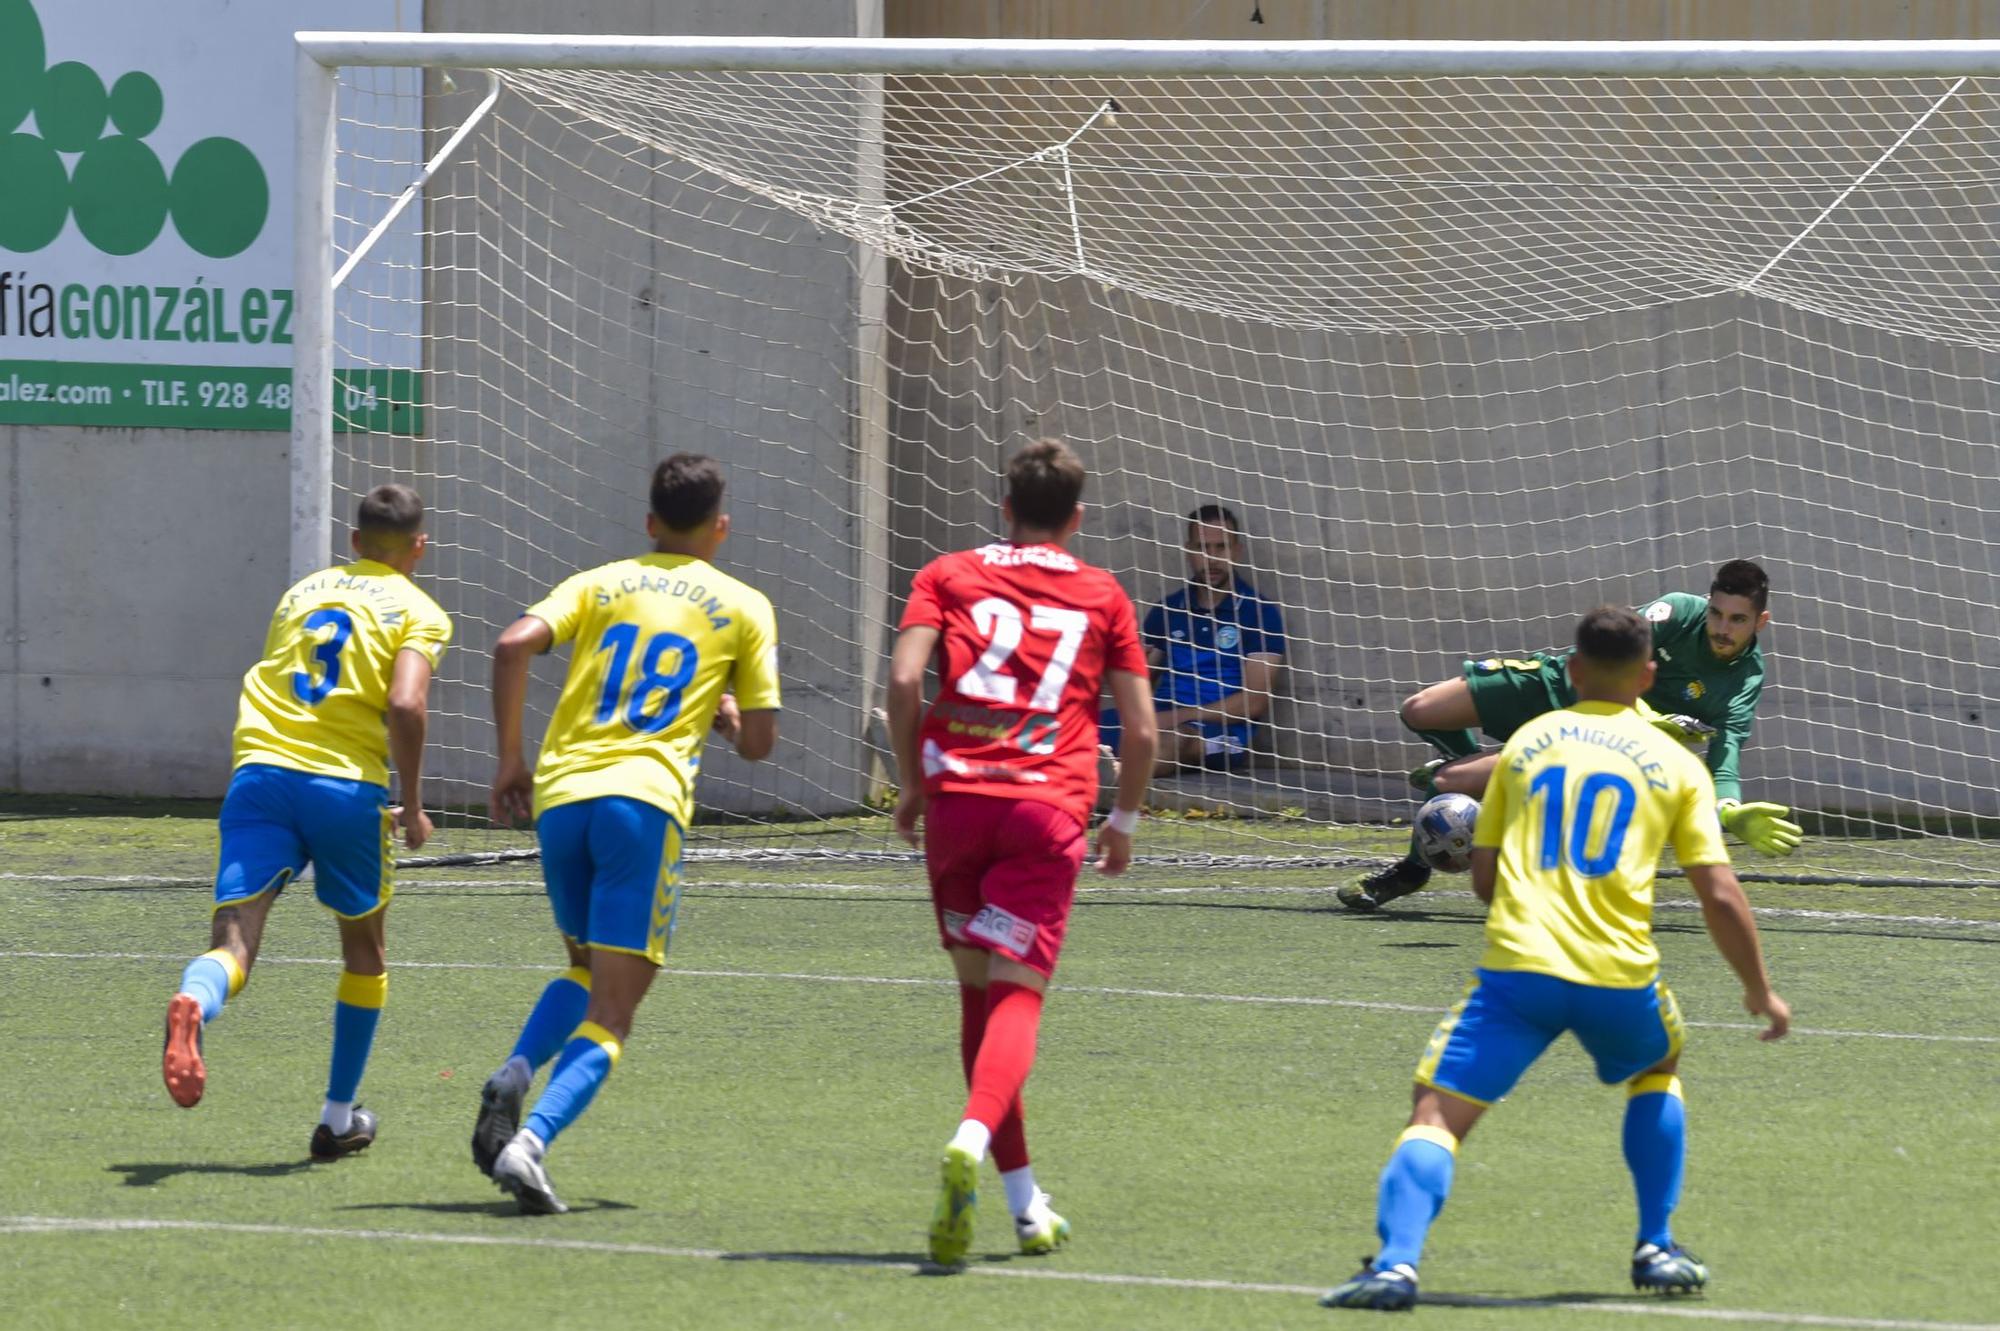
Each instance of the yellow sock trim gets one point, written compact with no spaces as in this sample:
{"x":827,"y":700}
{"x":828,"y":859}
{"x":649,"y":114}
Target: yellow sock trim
{"x":590,"y":1030}
{"x":227,"y":959}
{"x":1424,"y":1132}
{"x":578,"y":975}
{"x":1654,"y":1082}
{"x":362,"y":990}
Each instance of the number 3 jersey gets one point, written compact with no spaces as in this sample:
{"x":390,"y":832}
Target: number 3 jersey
{"x":1579,"y":807}
{"x":659,"y":639}
{"x":1027,"y":634}
{"x":315,"y":702}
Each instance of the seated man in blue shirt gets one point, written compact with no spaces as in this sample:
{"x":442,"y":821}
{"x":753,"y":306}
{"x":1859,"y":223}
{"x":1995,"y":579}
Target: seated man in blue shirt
{"x":1215,"y":647}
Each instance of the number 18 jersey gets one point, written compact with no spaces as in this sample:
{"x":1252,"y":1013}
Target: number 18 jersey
{"x":659,"y":640}
{"x":1027,"y":634}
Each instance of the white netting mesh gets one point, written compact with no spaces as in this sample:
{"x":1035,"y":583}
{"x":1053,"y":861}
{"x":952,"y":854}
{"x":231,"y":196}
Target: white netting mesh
{"x":1465,"y":356}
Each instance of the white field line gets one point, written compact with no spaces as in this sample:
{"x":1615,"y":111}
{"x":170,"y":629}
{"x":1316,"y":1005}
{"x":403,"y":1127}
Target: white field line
{"x":1102,"y":991}
{"x":29,"y":1224}
{"x":696,"y":887}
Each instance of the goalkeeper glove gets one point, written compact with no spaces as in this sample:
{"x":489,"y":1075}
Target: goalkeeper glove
{"x":1690,"y":732}
{"x":1763,"y":826}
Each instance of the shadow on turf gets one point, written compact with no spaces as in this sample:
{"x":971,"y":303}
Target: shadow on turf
{"x":921,"y":1261}
{"x":501,"y":1207}
{"x":152,"y":1175}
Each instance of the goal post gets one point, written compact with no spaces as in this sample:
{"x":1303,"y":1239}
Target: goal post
{"x":1467,"y":336}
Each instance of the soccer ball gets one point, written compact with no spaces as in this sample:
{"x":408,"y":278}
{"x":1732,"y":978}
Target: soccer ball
{"x":1444,"y":832}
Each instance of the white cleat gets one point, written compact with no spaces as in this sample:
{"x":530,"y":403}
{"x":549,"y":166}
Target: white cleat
{"x":519,"y":1170}
{"x":1041,"y":1230}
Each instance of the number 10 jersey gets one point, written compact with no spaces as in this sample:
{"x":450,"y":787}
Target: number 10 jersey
{"x":659,"y":640}
{"x":1027,"y":634}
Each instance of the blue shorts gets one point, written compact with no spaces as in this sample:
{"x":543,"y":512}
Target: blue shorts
{"x":1507,"y":1018}
{"x":1224,"y":744}
{"x":613,"y":869}
{"x":275,"y":821}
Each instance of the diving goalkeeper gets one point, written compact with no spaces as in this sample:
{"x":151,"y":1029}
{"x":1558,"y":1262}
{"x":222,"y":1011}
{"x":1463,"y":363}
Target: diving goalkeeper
{"x":1710,"y":674}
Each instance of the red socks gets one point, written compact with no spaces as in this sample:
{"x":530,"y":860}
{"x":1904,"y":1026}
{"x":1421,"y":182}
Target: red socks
{"x":1010,"y":1139}
{"x":1005,"y":1052}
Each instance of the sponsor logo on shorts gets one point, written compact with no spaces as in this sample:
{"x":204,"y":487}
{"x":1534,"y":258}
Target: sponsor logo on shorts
{"x":1002,"y":929}
{"x":954,"y":923}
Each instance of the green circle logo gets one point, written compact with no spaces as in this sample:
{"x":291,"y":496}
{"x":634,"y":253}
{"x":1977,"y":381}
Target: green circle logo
{"x":119,"y":194}
{"x":220,"y":198}
{"x":72,"y":108}
{"x":35,"y":203}
{"x":137,"y":104}
{"x":117,"y":189}
{"x":21,"y":55}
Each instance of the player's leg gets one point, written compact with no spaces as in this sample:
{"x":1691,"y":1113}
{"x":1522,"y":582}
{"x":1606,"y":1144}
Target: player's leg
{"x":1179,"y":748}
{"x":563,"y":834}
{"x":957,"y":850}
{"x":1480,"y":1049}
{"x":344,"y":1126}
{"x":1444,"y":717}
{"x":1635,"y":1036}
{"x":260,"y":853}
{"x":349,"y":832}
{"x":635,"y":849}
{"x":1026,"y":894}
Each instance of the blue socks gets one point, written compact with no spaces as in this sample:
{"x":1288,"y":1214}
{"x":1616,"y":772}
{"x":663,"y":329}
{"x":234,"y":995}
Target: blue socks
{"x":1656,"y":1152}
{"x":586,"y":1061}
{"x":558,"y":1012}
{"x":356,"y":1012}
{"x":213,"y":979}
{"x":1415,"y":1183}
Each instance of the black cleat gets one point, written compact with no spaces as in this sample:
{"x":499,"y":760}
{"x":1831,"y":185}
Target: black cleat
{"x":499,"y":1119}
{"x":1385,"y":885}
{"x":1385,"y":1289}
{"x":360,"y":1135}
{"x":1672,"y":1270}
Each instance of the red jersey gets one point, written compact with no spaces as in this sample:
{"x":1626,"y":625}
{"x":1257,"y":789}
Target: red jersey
{"x":1027,"y":632}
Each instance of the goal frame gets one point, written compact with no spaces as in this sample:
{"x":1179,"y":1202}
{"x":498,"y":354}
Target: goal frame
{"x":321,"y":55}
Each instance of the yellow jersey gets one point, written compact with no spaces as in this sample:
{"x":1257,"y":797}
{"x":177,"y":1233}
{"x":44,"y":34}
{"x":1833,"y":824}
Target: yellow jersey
{"x":659,"y":640}
{"x":1579,"y":807}
{"x":315,"y":702}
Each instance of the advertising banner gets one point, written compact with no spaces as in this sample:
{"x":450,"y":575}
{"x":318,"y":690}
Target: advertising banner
{"x":146,"y":183}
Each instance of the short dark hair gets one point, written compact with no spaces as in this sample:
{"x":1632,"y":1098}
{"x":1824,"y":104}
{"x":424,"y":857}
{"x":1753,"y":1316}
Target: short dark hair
{"x":390,"y":510}
{"x":1611,"y":635}
{"x":687,"y":491}
{"x":1740,"y":577}
{"x":1044,"y":483}
{"x":1215,"y":513}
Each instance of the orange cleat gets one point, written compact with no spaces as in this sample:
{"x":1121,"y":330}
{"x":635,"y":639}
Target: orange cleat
{"x":180,"y":1062}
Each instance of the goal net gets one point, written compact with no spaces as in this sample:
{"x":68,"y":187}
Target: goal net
{"x":1463,"y":357}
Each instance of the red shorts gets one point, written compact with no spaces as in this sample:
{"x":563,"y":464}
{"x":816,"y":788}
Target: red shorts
{"x":1003,"y":874}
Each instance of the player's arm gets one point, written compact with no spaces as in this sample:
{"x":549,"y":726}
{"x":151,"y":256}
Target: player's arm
{"x":907,"y":663}
{"x":408,"y":719}
{"x":1763,"y":825}
{"x":1249,"y":703}
{"x":1726,"y":912}
{"x":1485,"y":871}
{"x":512,"y":798}
{"x":1138,"y":744}
{"x":752,"y":708}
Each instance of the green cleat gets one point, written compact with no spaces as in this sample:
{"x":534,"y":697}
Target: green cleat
{"x":1385,"y":1289}
{"x":1041,"y":1230}
{"x":1672,"y":1270}
{"x":958,"y":1193}
{"x":1424,"y":779}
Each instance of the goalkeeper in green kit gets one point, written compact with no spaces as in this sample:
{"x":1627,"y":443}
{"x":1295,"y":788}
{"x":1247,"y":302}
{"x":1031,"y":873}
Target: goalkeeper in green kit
{"x":1710,"y":674}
